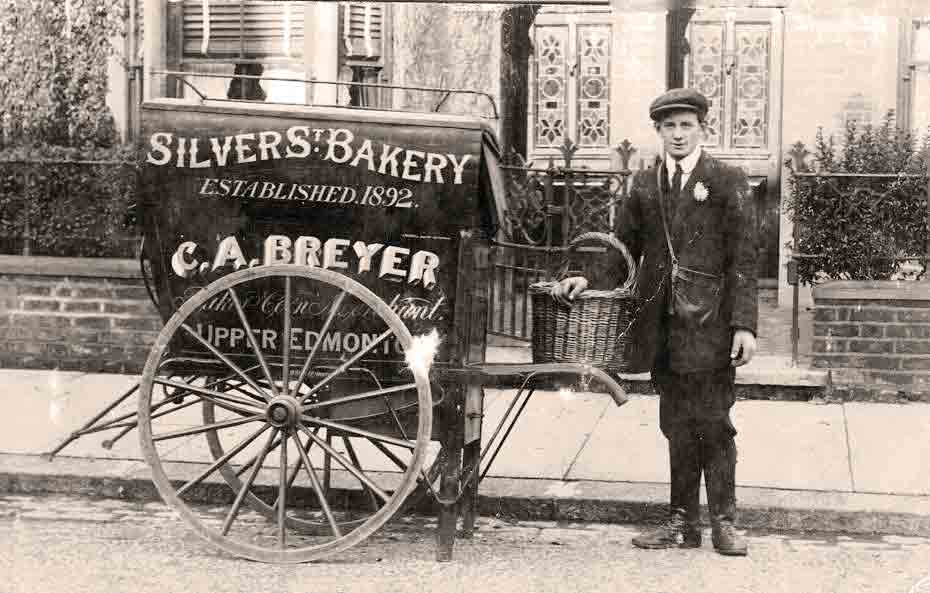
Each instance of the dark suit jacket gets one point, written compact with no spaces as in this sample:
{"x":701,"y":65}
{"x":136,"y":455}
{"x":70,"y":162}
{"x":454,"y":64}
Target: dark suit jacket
{"x":716,"y":236}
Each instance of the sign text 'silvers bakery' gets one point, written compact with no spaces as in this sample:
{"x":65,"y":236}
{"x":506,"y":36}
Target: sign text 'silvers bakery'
{"x":335,"y":145}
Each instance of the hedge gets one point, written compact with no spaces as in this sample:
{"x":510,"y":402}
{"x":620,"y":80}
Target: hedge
{"x":854,"y":226}
{"x":67,"y":202}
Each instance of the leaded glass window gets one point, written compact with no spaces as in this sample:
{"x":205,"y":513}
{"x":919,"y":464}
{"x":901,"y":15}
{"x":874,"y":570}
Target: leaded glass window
{"x":730,"y":63}
{"x":751,"y":85}
{"x":706,"y":74}
{"x":551,"y":89}
{"x":572,"y":86}
{"x":593,"y":85}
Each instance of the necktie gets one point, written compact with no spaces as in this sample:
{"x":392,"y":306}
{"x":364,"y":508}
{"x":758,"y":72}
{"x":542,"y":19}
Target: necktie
{"x":676,"y":181}
{"x":675,"y":191}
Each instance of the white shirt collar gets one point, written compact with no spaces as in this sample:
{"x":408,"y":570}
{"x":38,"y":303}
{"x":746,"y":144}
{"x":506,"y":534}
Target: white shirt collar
{"x":687,"y":164}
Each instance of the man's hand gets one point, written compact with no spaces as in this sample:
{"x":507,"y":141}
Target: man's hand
{"x":566,"y":290}
{"x":744,"y":347}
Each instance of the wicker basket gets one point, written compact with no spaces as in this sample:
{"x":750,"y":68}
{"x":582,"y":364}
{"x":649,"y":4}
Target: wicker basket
{"x":596,"y":328}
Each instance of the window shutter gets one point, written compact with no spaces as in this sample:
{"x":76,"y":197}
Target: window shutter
{"x":251,"y":29}
{"x":362,"y":32}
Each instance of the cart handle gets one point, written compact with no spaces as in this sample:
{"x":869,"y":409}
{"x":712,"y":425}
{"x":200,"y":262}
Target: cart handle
{"x":530,"y":371}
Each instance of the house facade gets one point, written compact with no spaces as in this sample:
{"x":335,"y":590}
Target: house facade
{"x":774,"y":70}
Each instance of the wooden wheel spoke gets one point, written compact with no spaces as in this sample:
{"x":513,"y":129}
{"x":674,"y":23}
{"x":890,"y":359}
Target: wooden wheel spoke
{"x":286,"y":338}
{"x":253,"y":342}
{"x":297,"y":466}
{"x":250,"y":462}
{"x":347,"y":464}
{"x":359,"y":432}
{"x":390,"y":455}
{"x":207,"y":428}
{"x":334,"y":308}
{"x":355,"y":461}
{"x":282,"y":494}
{"x":216,"y":464}
{"x":229,"y":363}
{"x":338,"y":370}
{"x":318,"y":488}
{"x":358,"y":396}
{"x":240,"y":496}
{"x":221,"y":399}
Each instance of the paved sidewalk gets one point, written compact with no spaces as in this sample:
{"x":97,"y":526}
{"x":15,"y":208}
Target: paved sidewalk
{"x":857,"y":467}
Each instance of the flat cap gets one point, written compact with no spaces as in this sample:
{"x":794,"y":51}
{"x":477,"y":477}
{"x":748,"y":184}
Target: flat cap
{"x":678,"y":99}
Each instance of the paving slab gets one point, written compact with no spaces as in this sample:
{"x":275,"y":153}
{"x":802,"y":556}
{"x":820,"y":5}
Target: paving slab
{"x":625,"y":446}
{"x":890,"y":446}
{"x":791,"y":445}
{"x":548,"y":436}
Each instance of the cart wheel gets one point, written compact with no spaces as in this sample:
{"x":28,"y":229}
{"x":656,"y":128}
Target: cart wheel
{"x":426,"y":480}
{"x":310,"y":463}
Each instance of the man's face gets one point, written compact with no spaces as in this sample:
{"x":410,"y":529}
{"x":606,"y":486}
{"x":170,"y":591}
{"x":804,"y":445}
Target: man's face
{"x":681,"y":132}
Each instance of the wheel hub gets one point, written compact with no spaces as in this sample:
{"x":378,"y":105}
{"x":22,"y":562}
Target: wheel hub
{"x":283,"y":412}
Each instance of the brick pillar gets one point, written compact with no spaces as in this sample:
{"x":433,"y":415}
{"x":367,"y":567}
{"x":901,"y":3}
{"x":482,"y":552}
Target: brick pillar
{"x":874,"y":337}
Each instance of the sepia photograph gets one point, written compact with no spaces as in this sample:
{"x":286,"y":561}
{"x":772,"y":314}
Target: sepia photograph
{"x":444,"y":296}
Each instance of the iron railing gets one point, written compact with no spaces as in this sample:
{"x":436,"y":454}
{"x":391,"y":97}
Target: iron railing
{"x":546,"y":208}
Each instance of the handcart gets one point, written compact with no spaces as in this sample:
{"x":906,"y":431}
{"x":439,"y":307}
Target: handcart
{"x":322,"y":273}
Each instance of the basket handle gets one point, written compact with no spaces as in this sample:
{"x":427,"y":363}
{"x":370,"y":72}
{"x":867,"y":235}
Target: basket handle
{"x":617,"y":244}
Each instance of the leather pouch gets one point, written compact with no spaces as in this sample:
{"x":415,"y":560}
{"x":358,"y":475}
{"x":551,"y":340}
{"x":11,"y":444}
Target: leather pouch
{"x":696,"y":296}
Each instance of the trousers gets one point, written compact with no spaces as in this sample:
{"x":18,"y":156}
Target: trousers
{"x":694,"y":415}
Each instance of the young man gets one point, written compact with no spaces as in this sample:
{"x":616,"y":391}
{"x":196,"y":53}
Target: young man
{"x":692,"y":219}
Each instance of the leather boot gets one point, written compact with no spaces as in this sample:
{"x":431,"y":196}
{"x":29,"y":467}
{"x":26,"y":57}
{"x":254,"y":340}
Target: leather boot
{"x":726,"y":540}
{"x":674,"y":532}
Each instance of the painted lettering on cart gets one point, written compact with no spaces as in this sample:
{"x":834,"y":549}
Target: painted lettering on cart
{"x":372,"y":195}
{"x":233,"y":338}
{"x":334,"y":253}
{"x":338,"y":146}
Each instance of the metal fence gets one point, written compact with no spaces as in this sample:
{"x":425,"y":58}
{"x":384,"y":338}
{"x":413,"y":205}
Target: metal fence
{"x":547,"y":208}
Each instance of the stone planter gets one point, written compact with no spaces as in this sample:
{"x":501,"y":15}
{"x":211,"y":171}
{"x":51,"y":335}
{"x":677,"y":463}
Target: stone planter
{"x":874,"y":338}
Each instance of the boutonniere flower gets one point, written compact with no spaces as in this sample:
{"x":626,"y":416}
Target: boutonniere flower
{"x":700,"y":192}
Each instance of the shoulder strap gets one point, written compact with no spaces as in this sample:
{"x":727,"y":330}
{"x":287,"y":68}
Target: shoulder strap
{"x":662,"y":197}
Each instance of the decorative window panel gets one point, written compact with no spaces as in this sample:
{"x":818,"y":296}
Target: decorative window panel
{"x":706,"y":74}
{"x":593,"y":86}
{"x":551,"y":86}
{"x":751,"y":85}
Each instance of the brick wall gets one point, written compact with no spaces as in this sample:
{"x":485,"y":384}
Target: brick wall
{"x":74,"y":314}
{"x":874,"y":337}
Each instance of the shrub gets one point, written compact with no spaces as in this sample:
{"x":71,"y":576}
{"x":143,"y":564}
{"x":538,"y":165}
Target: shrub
{"x":53,"y":79}
{"x":63,"y":209}
{"x":861,"y":227}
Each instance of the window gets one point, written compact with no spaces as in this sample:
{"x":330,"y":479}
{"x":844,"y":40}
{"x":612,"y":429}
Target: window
{"x":255,"y":37}
{"x":227,"y":36}
{"x":222,"y":30}
{"x":570,"y":74}
{"x":729,"y":60}
{"x":363,"y":48}
{"x":914,"y":99}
